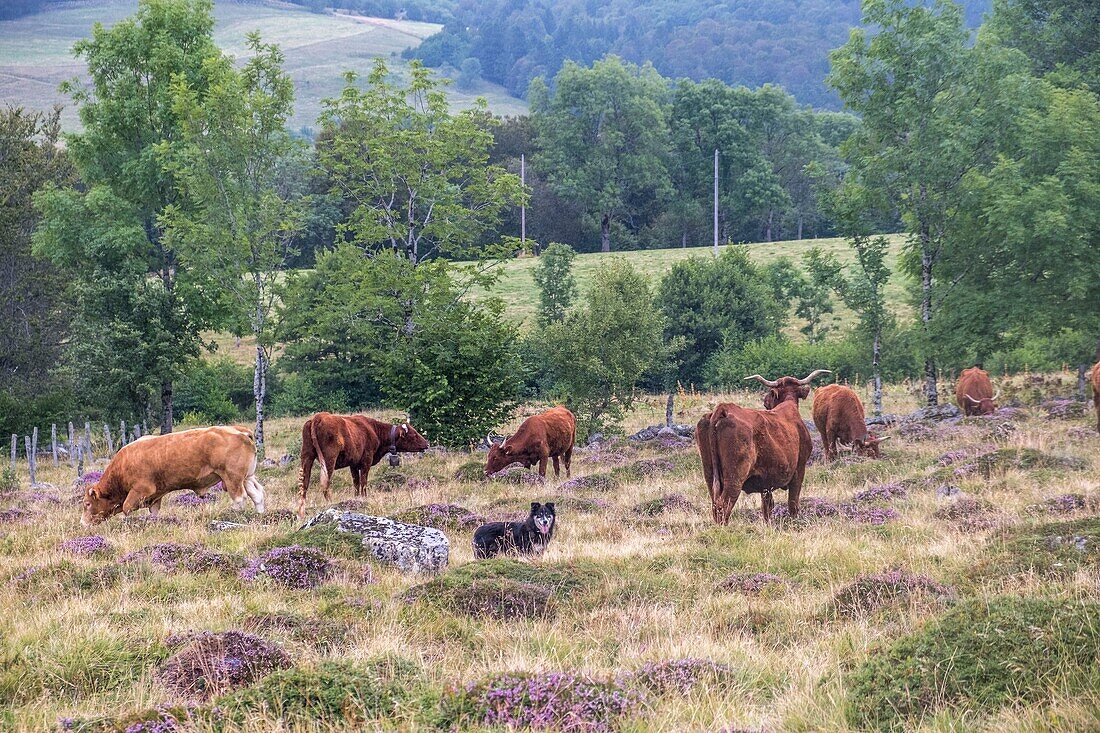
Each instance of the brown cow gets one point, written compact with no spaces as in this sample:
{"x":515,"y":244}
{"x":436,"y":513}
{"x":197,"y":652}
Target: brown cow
{"x":1096,"y":393}
{"x":142,"y":472}
{"x":839,"y":417}
{"x":974,"y":392}
{"x":350,"y":441}
{"x":757,"y":451}
{"x":540,"y":437}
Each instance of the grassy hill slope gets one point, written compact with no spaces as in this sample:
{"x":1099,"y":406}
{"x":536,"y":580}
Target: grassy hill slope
{"x":35,"y":51}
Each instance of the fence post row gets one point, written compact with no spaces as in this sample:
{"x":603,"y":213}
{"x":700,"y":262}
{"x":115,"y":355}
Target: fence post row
{"x":14,"y":446}
{"x":79,"y":460}
{"x":31,"y":459}
{"x":53,"y":443}
{"x":72,"y":445}
{"x":110,"y":443}
{"x":122,"y":433}
{"x":88,"y":437}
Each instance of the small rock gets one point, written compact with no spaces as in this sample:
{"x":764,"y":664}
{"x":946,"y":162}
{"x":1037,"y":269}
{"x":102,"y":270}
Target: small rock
{"x":947,"y":490}
{"x":219,"y":525}
{"x":408,"y":547}
{"x":595,"y":439}
{"x":884,"y":420}
{"x":933,"y":412}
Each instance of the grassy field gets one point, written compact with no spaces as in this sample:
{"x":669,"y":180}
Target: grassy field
{"x":516,"y":286}
{"x":894,"y":601}
{"x":35,"y":51}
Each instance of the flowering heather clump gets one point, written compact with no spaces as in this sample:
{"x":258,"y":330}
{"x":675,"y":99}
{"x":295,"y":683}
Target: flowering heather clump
{"x":968,"y":513}
{"x":679,"y":675}
{"x":649,"y":467}
{"x":882,"y":492}
{"x":1011,"y":413}
{"x":174,"y":557}
{"x":294,"y":567}
{"x":1061,"y":409}
{"x":86,"y":546}
{"x":584,"y":505}
{"x":751,"y":583}
{"x":517,"y":475}
{"x":601,"y":482}
{"x":869,"y":593}
{"x":952,"y":456}
{"x":193,"y":499}
{"x":813,"y":507}
{"x":210,"y":664}
{"x":666,"y":504}
{"x":14,"y":514}
{"x":147,"y":520}
{"x":867,"y":514}
{"x":1063,"y":504}
{"x":671,"y":443}
{"x":24,"y":575}
{"x":394,"y":480}
{"x":559,"y":701}
{"x":90,"y":477}
{"x":604,"y":455}
{"x":38,"y":496}
{"x":916,"y":431}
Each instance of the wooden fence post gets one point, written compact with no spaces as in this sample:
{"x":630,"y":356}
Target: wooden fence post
{"x":53,"y":443}
{"x":668,"y":410}
{"x":122,"y":433}
{"x":79,"y":460}
{"x":72,"y":445}
{"x":137,"y":430}
{"x":14,"y":448}
{"x":30,"y":459}
{"x":88,"y":439}
{"x":34,"y":442}
{"x":110,"y":443}
{"x":1081,"y":381}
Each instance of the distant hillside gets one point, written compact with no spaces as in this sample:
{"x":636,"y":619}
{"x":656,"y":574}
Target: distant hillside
{"x":35,"y":50}
{"x":750,"y":42}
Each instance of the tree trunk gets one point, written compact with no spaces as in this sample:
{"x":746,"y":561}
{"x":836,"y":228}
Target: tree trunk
{"x":931,"y":392}
{"x":259,"y":375}
{"x":166,"y":421}
{"x":605,"y":233}
{"x":876,"y":351}
{"x":768,"y":233}
{"x":800,"y":226}
{"x":683,"y":239}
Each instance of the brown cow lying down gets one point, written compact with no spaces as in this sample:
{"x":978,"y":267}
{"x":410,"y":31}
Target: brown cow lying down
{"x":974,"y":392}
{"x":540,"y":437}
{"x":839,"y":417}
{"x":142,"y":472}
{"x":350,"y":441}
{"x":757,"y":451}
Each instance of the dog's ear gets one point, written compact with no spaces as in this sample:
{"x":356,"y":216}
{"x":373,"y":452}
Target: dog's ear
{"x":550,"y":506}
{"x":535,"y":505}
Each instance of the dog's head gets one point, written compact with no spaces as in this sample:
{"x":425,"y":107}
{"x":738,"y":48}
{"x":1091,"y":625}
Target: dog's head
{"x":543,"y":516}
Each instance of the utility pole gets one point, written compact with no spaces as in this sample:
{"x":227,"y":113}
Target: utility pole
{"x":716,"y":202}
{"x":523,"y":205}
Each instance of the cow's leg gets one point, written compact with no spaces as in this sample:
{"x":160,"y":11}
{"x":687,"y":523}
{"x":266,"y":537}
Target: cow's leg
{"x":767,"y":504}
{"x":727,"y":486}
{"x":138,"y":497}
{"x":794,"y":489}
{"x":304,"y":473}
{"x":255,"y":491}
{"x":568,"y":459}
{"x":542,"y":465}
{"x":725,"y":504}
{"x":557,"y":470}
{"x":357,"y":479}
{"x":829,"y":445}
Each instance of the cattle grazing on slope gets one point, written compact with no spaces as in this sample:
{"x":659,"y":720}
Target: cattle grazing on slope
{"x":548,"y":435}
{"x":757,"y":451}
{"x":142,"y":472}
{"x":974,"y":392}
{"x":1096,"y":393}
{"x":350,"y":441}
{"x":840,"y":419}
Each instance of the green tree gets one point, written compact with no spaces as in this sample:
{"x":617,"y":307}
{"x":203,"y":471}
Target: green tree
{"x":599,"y":353}
{"x":235,"y":218}
{"x":911,"y":77}
{"x":1061,"y":36}
{"x":415,"y":177}
{"x":34,"y":322}
{"x":603,"y":140}
{"x":710,"y":301}
{"x":140,"y":312}
{"x":554,"y":278}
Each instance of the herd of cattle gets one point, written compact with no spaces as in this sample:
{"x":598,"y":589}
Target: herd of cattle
{"x":742,"y":449}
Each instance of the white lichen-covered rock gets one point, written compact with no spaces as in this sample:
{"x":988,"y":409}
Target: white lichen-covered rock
{"x":408,"y":547}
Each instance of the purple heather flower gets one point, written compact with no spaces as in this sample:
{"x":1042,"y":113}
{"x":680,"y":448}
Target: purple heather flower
{"x":86,"y":546}
{"x":677,"y":675}
{"x":91,"y":477}
{"x":294,"y":567}
{"x":192,"y":499}
{"x":595,"y":482}
{"x":882,"y":492}
{"x":209,"y":663}
{"x":870,"y":592}
{"x":174,"y":557}
{"x":14,"y":514}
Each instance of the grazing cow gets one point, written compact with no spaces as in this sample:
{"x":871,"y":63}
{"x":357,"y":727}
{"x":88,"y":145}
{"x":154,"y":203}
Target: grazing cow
{"x":540,"y":437}
{"x":757,"y":451}
{"x":839,"y":417}
{"x":350,"y":441}
{"x":974,"y":392}
{"x":1096,"y":393}
{"x":142,"y":472}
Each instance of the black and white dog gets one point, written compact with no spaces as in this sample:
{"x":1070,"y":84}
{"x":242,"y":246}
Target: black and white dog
{"x":529,"y":537}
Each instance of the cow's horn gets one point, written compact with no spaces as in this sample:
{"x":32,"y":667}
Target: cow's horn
{"x":976,"y":402}
{"x":883,"y":439}
{"x":996,"y":395}
{"x":760,"y":379}
{"x":811,"y":375}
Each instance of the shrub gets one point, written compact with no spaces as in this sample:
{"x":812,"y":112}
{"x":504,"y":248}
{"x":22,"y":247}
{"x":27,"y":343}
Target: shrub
{"x":564,"y":701}
{"x":471,"y":471}
{"x":1024,"y":459}
{"x":86,"y":546}
{"x":297,"y":395}
{"x":553,"y":276}
{"x":213,"y":391}
{"x":440,"y":516}
{"x":869,"y":593}
{"x":679,"y":676}
{"x":175,"y":557}
{"x":209,"y":664}
{"x":293,"y":567}
{"x":333,"y":693}
{"x":665,"y":505}
{"x":752,"y":583}
{"x":9,"y":480}
{"x":600,"y":482}
{"x":498,"y":598}
{"x":324,"y":537}
{"x":977,"y":657}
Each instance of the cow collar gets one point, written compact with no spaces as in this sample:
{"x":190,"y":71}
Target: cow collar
{"x":395,"y":460}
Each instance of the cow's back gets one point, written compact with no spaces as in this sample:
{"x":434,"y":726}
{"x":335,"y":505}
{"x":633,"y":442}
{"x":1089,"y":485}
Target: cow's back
{"x":183,"y":458}
{"x":974,"y":382}
{"x":838,"y":409}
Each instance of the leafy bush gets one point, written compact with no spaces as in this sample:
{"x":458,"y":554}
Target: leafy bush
{"x":979,"y":656}
{"x":9,"y":480}
{"x":338,"y":694}
{"x":1044,"y":353}
{"x":214,"y":391}
{"x":297,"y":395}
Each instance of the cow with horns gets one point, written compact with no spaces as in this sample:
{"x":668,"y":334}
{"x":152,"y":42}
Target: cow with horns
{"x":974,"y":392}
{"x":757,"y":451}
{"x":540,"y":438}
{"x":840,"y":420}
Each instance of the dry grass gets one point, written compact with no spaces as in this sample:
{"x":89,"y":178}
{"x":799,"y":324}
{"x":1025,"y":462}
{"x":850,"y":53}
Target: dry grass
{"x":89,"y":648}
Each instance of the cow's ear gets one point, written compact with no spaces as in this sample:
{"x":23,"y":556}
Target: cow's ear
{"x":535,"y":505}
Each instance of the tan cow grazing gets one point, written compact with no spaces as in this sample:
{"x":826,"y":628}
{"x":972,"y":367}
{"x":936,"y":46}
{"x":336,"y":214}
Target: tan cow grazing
{"x":974,"y":392}
{"x":548,"y":435}
{"x":142,"y":472}
{"x":1096,"y":393}
{"x":839,"y":417}
{"x":350,"y":441}
{"x":757,"y":451}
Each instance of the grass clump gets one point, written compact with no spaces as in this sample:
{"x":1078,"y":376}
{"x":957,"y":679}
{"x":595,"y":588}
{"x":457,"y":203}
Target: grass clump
{"x":892,"y":588}
{"x":335,"y":693}
{"x":978,"y":657}
{"x":208,"y":664}
{"x":324,"y":537}
{"x":440,"y":516}
{"x":1052,"y":550}
{"x":500,"y":598}
{"x":470,"y":472}
{"x":681,"y":676}
{"x":1025,"y":459}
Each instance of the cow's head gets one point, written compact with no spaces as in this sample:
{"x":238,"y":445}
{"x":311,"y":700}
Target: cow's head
{"x":408,"y":440}
{"x":502,"y":455}
{"x":98,"y":507}
{"x":869,"y":446}
{"x":786,"y":389}
{"x":984,"y":406}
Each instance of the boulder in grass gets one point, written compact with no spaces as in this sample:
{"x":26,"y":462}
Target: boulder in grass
{"x":410,"y":548}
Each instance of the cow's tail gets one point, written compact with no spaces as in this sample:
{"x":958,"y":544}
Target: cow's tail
{"x":318,"y":456}
{"x":715,"y":456}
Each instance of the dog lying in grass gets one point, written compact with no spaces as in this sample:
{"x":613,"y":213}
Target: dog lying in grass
{"x":529,"y":537}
